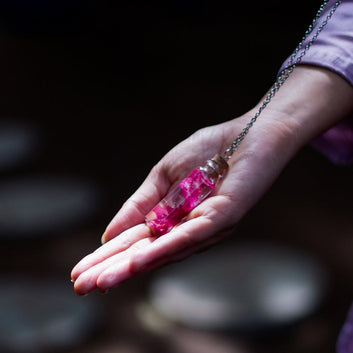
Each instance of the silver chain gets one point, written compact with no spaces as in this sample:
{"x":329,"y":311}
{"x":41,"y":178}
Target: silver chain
{"x":293,"y":61}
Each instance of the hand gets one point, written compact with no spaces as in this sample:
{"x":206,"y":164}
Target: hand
{"x":312,"y":100}
{"x":130,"y":248}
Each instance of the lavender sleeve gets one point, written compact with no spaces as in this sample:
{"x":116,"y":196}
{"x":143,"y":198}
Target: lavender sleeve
{"x":333,"y":49}
{"x":345,"y":340}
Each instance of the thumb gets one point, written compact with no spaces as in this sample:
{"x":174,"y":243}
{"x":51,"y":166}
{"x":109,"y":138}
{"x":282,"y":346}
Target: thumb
{"x":139,"y":204}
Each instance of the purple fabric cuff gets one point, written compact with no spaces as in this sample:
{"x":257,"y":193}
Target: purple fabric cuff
{"x":345,"y":341}
{"x":337,"y":143}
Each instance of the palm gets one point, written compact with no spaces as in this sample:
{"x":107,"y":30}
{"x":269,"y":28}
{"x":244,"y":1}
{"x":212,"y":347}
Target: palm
{"x":130,"y":247}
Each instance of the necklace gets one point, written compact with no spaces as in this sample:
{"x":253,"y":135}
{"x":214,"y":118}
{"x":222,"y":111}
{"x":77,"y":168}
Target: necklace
{"x":192,"y":190}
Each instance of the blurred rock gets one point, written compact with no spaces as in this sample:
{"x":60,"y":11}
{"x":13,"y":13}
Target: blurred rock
{"x":42,"y":316}
{"x":46,"y":205}
{"x":252,"y":288}
{"x":18,"y":143}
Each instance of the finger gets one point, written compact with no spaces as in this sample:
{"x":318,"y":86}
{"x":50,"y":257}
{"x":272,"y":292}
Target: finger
{"x":205,"y":226}
{"x":121,"y":270}
{"x":184,"y":240}
{"x":199,"y":227}
{"x":139,"y":204}
{"x":87,"y":281}
{"x":126,"y":268}
{"x":183,"y":254}
{"x":182,"y":237}
{"x":116,"y":245}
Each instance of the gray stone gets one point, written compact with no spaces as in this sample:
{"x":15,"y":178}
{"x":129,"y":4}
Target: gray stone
{"x":40,"y":316}
{"x":249,"y":288}
{"x":45,"y":205}
{"x":18,"y":143}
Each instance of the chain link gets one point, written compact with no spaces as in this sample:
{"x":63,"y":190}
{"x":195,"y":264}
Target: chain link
{"x":293,"y":61}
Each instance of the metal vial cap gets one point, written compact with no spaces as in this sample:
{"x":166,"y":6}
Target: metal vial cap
{"x":216,"y":166}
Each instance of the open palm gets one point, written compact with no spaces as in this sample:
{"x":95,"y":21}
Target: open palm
{"x":129,"y":247}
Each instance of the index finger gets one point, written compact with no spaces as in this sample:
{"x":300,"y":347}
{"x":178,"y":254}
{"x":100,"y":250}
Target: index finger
{"x":117,"y":245}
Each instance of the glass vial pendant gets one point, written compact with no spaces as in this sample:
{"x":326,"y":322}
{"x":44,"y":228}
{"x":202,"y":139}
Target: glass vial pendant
{"x":188,"y":194}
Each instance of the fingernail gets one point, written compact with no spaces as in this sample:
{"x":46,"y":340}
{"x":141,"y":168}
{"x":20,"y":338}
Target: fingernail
{"x":72,"y":280}
{"x":103,"y":241}
{"x":81,"y":294}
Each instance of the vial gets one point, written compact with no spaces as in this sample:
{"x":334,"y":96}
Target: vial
{"x":188,"y":194}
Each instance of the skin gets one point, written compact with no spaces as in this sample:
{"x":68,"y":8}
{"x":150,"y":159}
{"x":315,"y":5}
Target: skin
{"x":312,"y":100}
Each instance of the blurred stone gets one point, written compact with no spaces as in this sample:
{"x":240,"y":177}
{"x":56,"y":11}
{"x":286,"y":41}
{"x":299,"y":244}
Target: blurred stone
{"x":42,"y":316}
{"x":18,"y":143}
{"x":45,"y":205}
{"x":247,"y":288}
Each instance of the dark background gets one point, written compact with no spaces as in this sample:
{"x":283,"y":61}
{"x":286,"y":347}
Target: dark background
{"x":113,"y":86}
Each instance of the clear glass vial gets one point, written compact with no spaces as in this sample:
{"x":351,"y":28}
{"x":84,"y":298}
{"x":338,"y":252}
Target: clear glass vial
{"x":188,"y":194}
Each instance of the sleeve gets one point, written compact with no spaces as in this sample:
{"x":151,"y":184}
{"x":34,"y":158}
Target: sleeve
{"x":333,"y":49}
{"x":345,"y":340}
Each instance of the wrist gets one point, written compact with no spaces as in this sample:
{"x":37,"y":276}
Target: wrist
{"x":312,"y":100}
